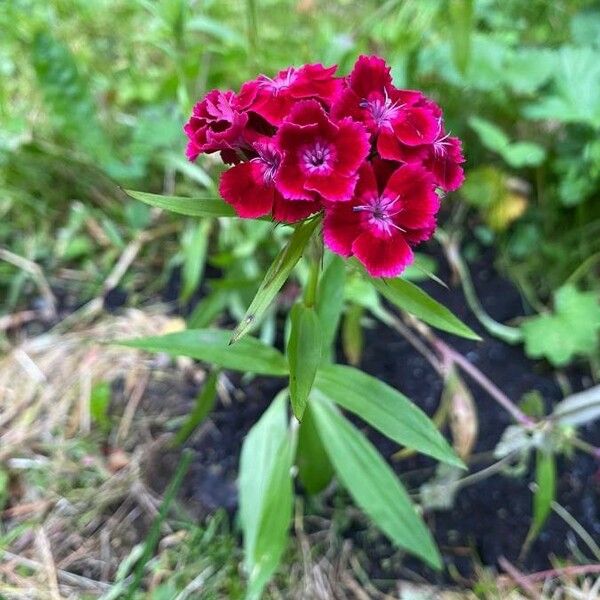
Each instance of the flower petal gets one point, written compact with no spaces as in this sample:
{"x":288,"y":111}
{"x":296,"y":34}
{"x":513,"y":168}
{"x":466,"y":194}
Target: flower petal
{"x":290,"y":180}
{"x":382,"y":257}
{"x":352,"y":146}
{"x":370,"y":74}
{"x":416,"y":126}
{"x":341,"y":226}
{"x":334,"y":186}
{"x":243,"y":188}
{"x":290,"y":211}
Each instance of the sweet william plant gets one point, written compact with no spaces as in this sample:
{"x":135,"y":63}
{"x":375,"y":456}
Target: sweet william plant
{"x":353,"y":164}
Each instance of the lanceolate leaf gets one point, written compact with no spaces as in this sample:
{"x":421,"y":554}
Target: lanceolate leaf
{"x":266,"y":493}
{"x":212,"y":346}
{"x":314,"y":468}
{"x":304,"y":355}
{"x":275,"y":277}
{"x":414,"y":300}
{"x":385,"y":409}
{"x":545,"y":478}
{"x":330,"y":300}
{"x":372,"y":483}
{"x":192,"y":207}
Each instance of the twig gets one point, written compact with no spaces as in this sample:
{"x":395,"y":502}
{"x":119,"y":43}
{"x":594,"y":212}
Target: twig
{"x":520,"y":578}
{"x":475,"y":374}
{"x":510,"y":335}
{"x":63,"y":576}
{"x":18,"y":319}
{"x":134,"y":401}
{"x":43,"y":546}
{"x":38,"y":276}
{"x":566,"y":516}
{"x":451,"y":357}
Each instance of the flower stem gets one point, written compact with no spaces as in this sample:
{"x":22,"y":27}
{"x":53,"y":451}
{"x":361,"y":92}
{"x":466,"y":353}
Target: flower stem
{"x":310,"y":291}
{"x":314,"y":256}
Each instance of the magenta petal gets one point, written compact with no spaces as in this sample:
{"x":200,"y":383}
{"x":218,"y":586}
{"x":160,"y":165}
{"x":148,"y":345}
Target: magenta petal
{"x":382,"y":257}
{"x":242,"y":187}
{"x":333,"y":187}
{"x":290,"y":180}
{"x":290,"y":211}
{"x":352,"y":145}
{"x":341,"y":226}
{"x":416,"y":126}
{"x":370,"y":74}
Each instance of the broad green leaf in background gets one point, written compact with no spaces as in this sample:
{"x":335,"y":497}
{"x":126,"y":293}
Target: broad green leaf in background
{"x":385,"y":409}
{"x":194,"y":246}
{"x":576,"y":94}
{"x":304,"y":355}
{"x":571,"y":330}
{"x":515,"y":154}
{"x":545,"y":478}
{"x":330,"y":299}
{"x":372,"y":483}
{"x":527,"y":68}
{"x":212,"y":346}
{"x":314,"y":468}
{"x":192,"y":207}
{"x":585,"y":27}
{"x":275,"y":277}
{"x":265,"y":484}
{"x":414,"y":300}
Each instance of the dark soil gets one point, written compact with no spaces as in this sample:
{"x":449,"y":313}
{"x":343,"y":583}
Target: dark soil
{"x":490,"y":519}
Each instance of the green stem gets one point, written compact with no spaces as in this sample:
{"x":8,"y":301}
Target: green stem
{"x":310,"y":292}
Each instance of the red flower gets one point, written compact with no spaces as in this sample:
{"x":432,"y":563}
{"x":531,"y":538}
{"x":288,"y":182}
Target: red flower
{"x":444,"y":161}
{"x":215,"y":125}
{"x":387,"y":214}
{"x":392,"y":115}
{"x":250,"y":189}
{"x":273,"y":99}
{"x":319,"y":156}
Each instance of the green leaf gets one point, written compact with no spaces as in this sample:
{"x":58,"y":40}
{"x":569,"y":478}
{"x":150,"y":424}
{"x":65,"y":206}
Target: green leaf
{"x":100,"y":403}
{"x":212,"y":346}
{"x":352,"y":333}
{"x":275,"y":277}
{"x":330,"y":299}
{"x":572,"y":329}
{"x":372,"y":483}
{"x":461,"y":15}
{"x":385,"y":409}
{"x":414,"y":300}
{"x":576,"y":94}
{"x":192,"y":207}
{"x":545,"y":478}
{"x":314,"y":468}
{"x":205,"y":402}
{"x":208,"y":309}
{"x":304,"y":355}
{"x":517,"y":155}
{"x":153,"y":535}
{"x":194,"y":246}
{"x":266,"y":493}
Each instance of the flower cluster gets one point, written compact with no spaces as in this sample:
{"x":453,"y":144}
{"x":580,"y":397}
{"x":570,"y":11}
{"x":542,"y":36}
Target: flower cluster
{"x":368,"y":155}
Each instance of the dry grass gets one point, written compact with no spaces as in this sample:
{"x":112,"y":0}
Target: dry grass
{"x":77,"y":508}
